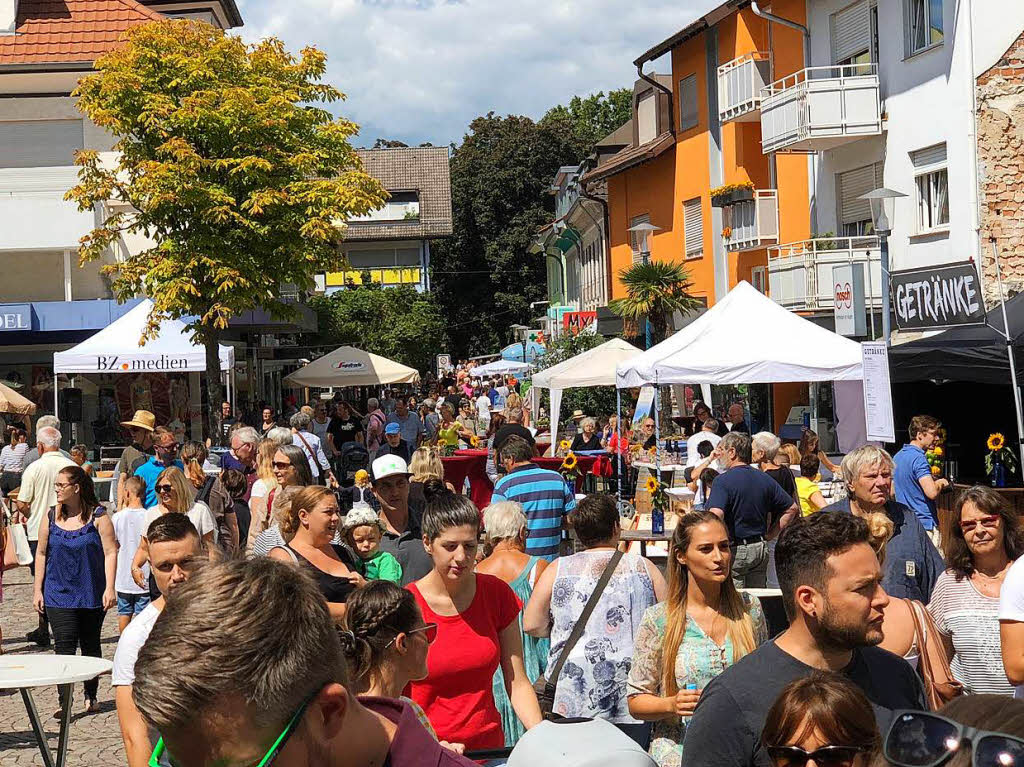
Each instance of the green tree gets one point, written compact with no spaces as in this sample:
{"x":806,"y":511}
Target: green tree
{"x":592,"y":400}
{"x":592,"y":118}
{"x":398,"y":323}
{"x":654,"y":291}
{"x":225,"y":158}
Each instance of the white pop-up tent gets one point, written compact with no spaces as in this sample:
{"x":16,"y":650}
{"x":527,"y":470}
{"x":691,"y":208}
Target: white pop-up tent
{"x":594,"y":367}
{"x":118,"y":349}
{"x":500,"y":367}
{"x":348,"y":366}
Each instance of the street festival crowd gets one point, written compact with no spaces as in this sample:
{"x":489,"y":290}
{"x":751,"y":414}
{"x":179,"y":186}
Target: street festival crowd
{"x":273,"y":609}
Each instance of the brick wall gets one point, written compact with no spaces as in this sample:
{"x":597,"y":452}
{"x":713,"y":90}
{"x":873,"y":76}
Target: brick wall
{"x":1000,"y":100}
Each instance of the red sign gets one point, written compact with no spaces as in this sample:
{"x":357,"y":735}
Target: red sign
{"x":576,"y":322}
{"x":844,"y":296}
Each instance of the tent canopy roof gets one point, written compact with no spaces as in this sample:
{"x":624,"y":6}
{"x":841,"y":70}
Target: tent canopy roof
{"x":500,"y":367}
{"x":117,"y":349}
{"x":348,"y":366}
{"x":745,"y":338}
{"x":594,"y":367}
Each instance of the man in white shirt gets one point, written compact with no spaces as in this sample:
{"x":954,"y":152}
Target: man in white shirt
{"x":174,"y":549}
{"x":311,"y":446}
{"x":708,"y":433}
{"x":483,"y":403}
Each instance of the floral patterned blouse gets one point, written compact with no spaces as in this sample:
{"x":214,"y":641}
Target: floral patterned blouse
{"x":698,"y":661}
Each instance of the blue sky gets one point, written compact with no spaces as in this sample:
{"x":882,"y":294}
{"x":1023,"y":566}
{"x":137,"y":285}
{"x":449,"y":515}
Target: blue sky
{"x":420,"y":70}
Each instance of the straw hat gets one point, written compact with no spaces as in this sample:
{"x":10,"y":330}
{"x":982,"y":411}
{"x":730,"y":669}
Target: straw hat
{"x":577,"y":415}
{"x":142,"y":419}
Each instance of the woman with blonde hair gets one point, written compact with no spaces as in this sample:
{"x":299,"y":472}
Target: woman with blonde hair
{"x":703,"y":627}
{"x":209,"y":490}
{"x":513,"y":401}
{"x":425,"y":465}
{"x":309,"y":524}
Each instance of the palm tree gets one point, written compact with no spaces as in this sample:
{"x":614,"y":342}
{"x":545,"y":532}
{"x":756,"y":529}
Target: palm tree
{"x":654,"y":290}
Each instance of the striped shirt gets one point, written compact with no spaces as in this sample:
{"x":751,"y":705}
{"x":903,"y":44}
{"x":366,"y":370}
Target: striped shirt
{"x":13,"y":458}
{"x":546,"y":498}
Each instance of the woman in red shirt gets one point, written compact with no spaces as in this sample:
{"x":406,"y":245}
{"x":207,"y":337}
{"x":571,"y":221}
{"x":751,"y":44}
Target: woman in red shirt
{"x":476,"y":615}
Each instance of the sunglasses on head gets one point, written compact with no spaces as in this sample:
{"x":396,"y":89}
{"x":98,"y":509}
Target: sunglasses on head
{"x":923,"y":739}
{"x":826,"y":756}
{"x":992,"y":520}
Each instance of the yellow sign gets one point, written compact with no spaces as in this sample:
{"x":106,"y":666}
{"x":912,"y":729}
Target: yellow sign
{"x":409,"y":276}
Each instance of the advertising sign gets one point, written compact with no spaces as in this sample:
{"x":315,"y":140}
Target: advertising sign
{"x":937,"y":297}
{"x":877,"y":392}
{"x":848,"y":292}
{"x":16,"y":317}
{"x":577,"y":322}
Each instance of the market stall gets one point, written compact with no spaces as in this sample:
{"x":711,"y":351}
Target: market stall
{"x":499,"y":367}
{"x":160,"y":375}
{"x":348,"y":366}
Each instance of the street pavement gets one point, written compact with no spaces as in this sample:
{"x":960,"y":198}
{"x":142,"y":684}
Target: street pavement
{"x":95,"y":739}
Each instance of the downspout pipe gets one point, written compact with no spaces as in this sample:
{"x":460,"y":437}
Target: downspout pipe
{"x":786,"y":23}
{"x":663,"y":89}
{"x":605,"y":238}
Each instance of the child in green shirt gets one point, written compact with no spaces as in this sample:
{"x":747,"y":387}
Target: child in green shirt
{"x":363,"y":531}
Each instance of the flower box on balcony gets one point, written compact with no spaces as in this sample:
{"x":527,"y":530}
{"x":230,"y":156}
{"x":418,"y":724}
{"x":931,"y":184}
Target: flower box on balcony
{"x":724,"y":196}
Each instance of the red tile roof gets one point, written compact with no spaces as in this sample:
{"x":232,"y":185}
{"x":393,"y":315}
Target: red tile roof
{"x":52,"y":31}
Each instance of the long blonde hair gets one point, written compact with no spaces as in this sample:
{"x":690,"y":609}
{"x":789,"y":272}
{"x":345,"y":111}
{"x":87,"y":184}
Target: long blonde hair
{"x":184,"y":493}
{"x":265,"y":461}
{"x":740,"y":627}
{"x":426,"y":464}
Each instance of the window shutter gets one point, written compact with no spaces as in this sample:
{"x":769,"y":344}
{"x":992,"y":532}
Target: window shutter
{"x":851,"y":31}
{"x":688,"y":103}
{"x":933,"y":155}
{"x":852,"y":185}
{"x":693,"y":227}
{"x":39,"y":143}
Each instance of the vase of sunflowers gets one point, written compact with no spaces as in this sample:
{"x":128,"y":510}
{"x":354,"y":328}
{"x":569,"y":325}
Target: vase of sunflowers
{"x":1000,"y":461}
{"x":659,"y":502}
{"x":563,"y":447}
{"x":569,"y":469}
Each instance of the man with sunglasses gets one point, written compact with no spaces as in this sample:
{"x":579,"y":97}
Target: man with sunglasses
{"x":174,"y":550}
{"x":165,"y":447}
{"x":831,"y":588}
{"x":288,"y":699}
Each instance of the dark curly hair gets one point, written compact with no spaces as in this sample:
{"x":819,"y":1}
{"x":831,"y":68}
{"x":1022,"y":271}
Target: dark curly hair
{"x":959,"y":559}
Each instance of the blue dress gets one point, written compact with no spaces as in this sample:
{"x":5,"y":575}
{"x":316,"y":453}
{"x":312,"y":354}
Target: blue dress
{"x":75,"y":577}
{"x":535,"y":659}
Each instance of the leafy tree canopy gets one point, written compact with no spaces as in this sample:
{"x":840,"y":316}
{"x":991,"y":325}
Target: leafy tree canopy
{"x":396,"y":322}
{"x":592,"y":118}
{"x":227,"y":160}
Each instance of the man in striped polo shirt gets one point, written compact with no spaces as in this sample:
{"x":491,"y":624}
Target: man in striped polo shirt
{"x":544,"y":495}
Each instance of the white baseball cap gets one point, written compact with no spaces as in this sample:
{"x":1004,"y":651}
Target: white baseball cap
{"x":387,"y":466}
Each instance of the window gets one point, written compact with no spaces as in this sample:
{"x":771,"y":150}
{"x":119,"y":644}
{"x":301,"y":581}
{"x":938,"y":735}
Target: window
{"x":855,"y":213}
{"x":688,"y":103}
{"x":923,"y":24}
{"x":39,"y":143}
{"x":855,"y":36}
{"x":758,"y":278}
{"x":638,"y":240}
{"x":647,"y":117}
{"x":693,"y":228}
{"x":932,"y":185}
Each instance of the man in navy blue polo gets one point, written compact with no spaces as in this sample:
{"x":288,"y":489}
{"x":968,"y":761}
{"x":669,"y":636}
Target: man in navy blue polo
{"x":752,"y":504}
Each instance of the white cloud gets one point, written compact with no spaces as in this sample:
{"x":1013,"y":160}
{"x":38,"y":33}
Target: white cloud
{"x":420,"y":70}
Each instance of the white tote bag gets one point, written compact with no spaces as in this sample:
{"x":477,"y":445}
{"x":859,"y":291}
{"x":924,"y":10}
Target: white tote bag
{"x":19,"y":535}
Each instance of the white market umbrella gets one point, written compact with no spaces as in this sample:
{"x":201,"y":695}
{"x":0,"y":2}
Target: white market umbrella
{"x":348,"y":366}
{"x":500,"y":367}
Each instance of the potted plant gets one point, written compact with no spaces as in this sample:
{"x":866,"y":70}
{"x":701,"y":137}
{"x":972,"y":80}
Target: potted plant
{"x":730,"y":194}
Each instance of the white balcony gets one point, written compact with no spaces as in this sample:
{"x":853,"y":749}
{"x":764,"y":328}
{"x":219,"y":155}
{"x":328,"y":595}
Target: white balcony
{"x":740,"y":82}
{"x":800,"y":273}
{"x":820,"y":108}
{"x":752,"y":224}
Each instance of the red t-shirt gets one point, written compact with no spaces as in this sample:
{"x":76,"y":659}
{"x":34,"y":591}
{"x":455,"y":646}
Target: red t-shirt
{"x":456,"y":694}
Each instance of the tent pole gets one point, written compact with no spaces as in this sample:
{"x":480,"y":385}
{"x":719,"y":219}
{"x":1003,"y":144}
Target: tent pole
{"x":1009,"y":354}
{"x":55,"y":399}
{"x":657,"y":428}
{"x":618,"y":446}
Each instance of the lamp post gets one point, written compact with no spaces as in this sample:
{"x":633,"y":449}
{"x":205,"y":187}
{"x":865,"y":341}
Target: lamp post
{"x":883,"y":212}
{"x":646,"y":228}
{"x":521,"y":329}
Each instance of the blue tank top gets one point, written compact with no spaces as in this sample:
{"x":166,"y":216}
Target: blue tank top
{"x":74,"y":566}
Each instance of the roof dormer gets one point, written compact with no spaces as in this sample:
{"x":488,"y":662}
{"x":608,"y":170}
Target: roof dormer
{"x":8,"y":16}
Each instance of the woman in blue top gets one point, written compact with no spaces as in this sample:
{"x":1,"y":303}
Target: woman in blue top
{"x":76,"y":561}
{"x":683,"y":643}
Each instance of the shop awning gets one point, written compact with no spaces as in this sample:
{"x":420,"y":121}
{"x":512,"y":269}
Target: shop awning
{"x":118,"y":349}
{"x":348,"y":366}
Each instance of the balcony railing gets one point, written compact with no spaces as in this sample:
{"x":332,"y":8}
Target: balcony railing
{"x":820,"y":108}
{"x":739,"y":86}
{"x":800,"y":273}
{"x":752,"y":224}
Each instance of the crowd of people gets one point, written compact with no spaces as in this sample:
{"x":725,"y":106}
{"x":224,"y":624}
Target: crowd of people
{"x":266,"y":606}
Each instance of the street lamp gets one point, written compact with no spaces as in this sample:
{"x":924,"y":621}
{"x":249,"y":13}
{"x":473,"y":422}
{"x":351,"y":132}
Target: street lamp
{"x":647,"y":228}
{"x":521,"y":329}
{"x":883,"y":213}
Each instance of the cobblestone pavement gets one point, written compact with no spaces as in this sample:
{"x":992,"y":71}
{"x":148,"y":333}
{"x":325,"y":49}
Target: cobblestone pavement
{"x":95,"y":739}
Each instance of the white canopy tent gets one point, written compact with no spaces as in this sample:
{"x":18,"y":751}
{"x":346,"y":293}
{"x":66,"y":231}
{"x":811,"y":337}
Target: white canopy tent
{"x":500,"y":367}
{"x":594,"y":367}
{"x":348,"y":366}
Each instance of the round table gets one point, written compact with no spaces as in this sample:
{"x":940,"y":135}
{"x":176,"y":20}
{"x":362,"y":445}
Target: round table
{"x":23,"y":672}
{"x":471,"y":464}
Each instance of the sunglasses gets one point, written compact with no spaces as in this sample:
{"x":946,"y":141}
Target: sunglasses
{"x":167,"y":448}
{"x":164,"y":488}
{"x":923,"y":739}
{"x":992,"y":520}
{"x":429,"y":631}
{"x":281,"y":464}
{"x":826,"y":756}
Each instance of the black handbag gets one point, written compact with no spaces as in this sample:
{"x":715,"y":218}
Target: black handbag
{"x":545,"y":686}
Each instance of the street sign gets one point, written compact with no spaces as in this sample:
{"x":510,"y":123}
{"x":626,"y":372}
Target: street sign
{"x":877,"y":392}
{"x":937,"y":297}
{"x":444,"y":364}
{"x":848,"y":293}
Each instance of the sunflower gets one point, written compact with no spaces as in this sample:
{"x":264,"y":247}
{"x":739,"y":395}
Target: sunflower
{"x":474,"y":441}
{"x":996,"y":442}
{"x":570,"y":462}
{"x":564,"y":444}
{"x":938,"y":451}
{"x":652,"y":485}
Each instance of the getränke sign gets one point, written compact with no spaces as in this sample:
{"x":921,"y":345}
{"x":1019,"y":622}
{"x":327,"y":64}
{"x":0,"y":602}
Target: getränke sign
{"x":937,"y":297}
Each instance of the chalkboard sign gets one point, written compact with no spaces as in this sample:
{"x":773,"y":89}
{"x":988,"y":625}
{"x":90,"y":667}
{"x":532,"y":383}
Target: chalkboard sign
{"x":937,"y":297}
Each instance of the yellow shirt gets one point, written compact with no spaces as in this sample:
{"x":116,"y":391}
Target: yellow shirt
{"x":805,"y":488}
{"x":37,"y":488}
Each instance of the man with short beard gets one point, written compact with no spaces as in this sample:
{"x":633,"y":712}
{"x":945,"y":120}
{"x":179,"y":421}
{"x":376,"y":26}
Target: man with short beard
{"x":831,"y":588}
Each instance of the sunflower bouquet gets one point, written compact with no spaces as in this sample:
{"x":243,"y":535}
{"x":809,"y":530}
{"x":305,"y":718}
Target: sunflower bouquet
{"x":570,"y":468}
{"x":563,"y":446}
{"x":474,"y":441}
{"x":936,"y":455}
{"x":999,"y":457}
{"x":659,"y":498}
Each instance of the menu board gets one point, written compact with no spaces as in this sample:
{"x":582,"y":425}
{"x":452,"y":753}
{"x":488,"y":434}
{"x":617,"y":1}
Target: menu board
{"x":877,"y":392}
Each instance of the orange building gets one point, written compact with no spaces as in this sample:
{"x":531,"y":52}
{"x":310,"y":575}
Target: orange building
{"x":698,"y":130}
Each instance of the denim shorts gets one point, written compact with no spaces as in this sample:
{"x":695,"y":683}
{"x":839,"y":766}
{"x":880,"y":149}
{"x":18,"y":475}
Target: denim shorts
{"x":131,"y":604}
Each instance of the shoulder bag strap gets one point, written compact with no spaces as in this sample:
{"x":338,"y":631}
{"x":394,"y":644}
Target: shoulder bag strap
{"x":312,"y":452}
{"x":924,"y":663}
{"x":581,"y":623}
{"x":204,"y":492}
